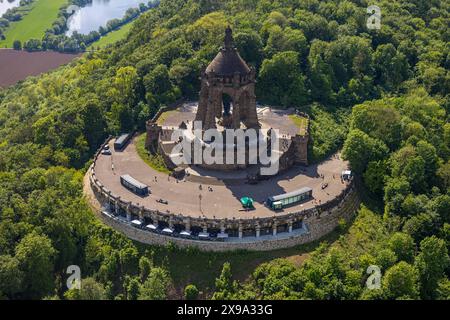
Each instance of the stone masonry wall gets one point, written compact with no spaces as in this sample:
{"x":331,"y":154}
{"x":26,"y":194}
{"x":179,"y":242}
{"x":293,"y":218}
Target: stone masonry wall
{"x":318,"y":225}
{"x":320,"y":221}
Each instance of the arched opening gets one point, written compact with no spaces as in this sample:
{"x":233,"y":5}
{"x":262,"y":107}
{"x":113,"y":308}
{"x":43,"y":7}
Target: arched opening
{"x":162,"y":225}
{"x":227,"y":111}
{"x":249,"y":233}
{"x":297,"y":224}
{"x":213,"y":232}
{"x":149,"y":220}
{"x":264,"y":231}
{"x":282,"y":228}
{"x":227,"y":103}
{"x":195,"y":230}
{"x":232,"y":232}
{"x":178,"y":227}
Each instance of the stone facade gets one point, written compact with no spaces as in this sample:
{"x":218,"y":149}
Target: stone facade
{"x":153,"y":129}
{"x":300,"y":145}
{"x":226,"y":101}
{"x":318,"y":227}
{"x":228,"y":75}
{"x":152,"y":137}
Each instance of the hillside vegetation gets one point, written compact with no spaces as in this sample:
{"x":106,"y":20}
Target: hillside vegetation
{"x":382,"y":95}
{"x":112,"y":37}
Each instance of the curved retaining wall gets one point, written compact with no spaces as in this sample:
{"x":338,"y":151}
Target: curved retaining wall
{"x":250,"y":234}
{"x":318,"y":227}
{"x":260,"y":234}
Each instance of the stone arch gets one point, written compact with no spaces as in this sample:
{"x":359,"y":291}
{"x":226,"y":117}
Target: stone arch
{"x":227,"y":104}
{"x":226,"y":110}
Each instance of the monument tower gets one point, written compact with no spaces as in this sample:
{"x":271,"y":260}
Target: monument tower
{"x":227,"y":101}
{"x":227,"y":95}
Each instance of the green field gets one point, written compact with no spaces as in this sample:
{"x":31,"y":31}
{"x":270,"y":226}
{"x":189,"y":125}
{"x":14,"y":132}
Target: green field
{"x":112,"y":37}
{"x":33,"y":25}
{"x":154,"y":161}
{"x":301,"y":123}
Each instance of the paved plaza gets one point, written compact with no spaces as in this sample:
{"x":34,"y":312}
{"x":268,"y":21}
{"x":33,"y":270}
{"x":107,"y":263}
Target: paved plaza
{"x":268,"y":118}
{"x":196,"y":199}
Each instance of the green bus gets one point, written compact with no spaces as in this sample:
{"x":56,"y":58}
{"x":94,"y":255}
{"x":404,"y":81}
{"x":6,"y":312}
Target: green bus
{"x":284,"y":200}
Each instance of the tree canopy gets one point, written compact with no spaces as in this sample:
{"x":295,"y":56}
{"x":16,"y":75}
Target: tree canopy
{"x":381,"y":95}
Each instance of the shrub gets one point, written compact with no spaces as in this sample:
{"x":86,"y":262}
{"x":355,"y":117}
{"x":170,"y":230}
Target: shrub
{"x":191,"y":292}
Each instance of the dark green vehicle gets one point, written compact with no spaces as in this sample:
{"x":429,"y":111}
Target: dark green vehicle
{"x":247,"y":202}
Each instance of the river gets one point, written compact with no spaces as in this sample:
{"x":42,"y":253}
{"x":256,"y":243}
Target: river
{"x":8,"y":4}
{"x":98,"y":13}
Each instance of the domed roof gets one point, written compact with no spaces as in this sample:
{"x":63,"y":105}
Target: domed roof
{"x":228,"y":61}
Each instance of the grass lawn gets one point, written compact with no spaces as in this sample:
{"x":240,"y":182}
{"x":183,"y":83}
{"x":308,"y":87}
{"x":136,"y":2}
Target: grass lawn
{"x":33,"y":25}
{"x":163,"y":117}
{"x":112,"y":37}
{"x":154,"y":161}
{"x":300,"y":122}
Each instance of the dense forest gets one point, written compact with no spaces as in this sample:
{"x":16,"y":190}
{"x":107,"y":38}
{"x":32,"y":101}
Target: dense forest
{"x":380,"y":95}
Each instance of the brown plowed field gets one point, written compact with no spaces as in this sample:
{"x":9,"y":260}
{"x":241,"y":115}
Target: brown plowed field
{"x":18,"y":65}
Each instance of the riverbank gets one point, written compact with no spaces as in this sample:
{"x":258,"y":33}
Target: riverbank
{"x":112,"y":36}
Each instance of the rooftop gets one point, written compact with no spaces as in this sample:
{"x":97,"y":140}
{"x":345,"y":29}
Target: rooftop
{"x":228,"y":61}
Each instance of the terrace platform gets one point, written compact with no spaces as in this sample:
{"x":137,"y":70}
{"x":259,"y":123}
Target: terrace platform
{"x":223,"y":202}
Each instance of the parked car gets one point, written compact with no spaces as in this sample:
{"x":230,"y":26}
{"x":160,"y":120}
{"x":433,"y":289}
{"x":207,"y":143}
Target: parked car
{"x":324,"y":185}
{"x":106,"y":152}
{"x":162,"y":201}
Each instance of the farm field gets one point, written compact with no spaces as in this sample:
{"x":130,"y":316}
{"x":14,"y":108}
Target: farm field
{"x":18,"y":65}
{"x":34,"y":24}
